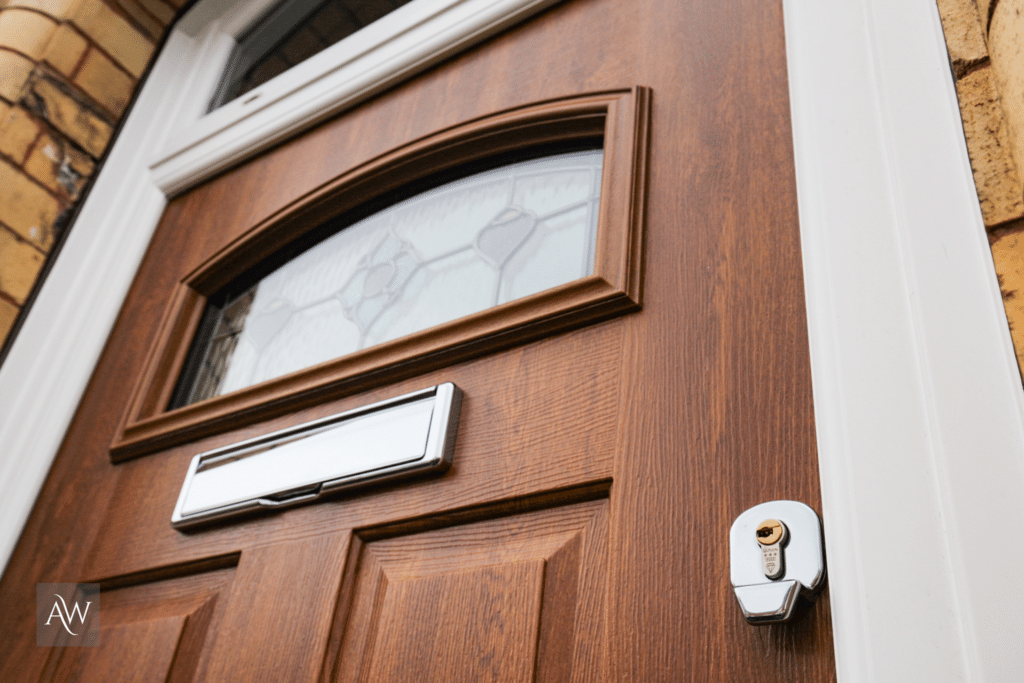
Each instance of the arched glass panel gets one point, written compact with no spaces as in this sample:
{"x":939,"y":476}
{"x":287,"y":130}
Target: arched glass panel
{"x":461,"y":248}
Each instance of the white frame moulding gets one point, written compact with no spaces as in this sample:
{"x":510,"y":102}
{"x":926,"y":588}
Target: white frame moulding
{"x":917,"y":399}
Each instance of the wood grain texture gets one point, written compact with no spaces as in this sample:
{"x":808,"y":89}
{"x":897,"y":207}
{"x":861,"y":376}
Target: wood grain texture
{"x":718,"y":408}
{"x":152,"y":645}
{"x":151,"y":630}
{"x":550,"y":401}
{"x":473,"y":625}
{"x":505,"y":599}
{"x":278,"y":613}
{"x":682,"y":414}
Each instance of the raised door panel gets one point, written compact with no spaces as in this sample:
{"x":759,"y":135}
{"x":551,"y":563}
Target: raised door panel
{"x":154,"y":627}
{"x":152,"y":645}
{"x":514,"y":598}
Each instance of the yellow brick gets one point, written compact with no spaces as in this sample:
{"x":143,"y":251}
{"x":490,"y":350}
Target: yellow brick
{"x":983,"y":12}
{"x":26,"y":208}
{"x":59,"y":166}
{"x":65,"y":49}
{"x":18,"y":131}
{"x":153,"y":28}
{"x":8,"y":314}
{"x":160,"y":10}
{"x":962,"y":28}
{"x":989,"y":146}
{"x":58,"y":9}
{"x":19,"y":266}
{"x":115,"y":35}
{"x":25,"y":31}
{"x":1006,"y":48}
{"x":102,"y":80}
{"x":72,"y":118}
{"x":14,"y":72}
{"x":1008,"y":254}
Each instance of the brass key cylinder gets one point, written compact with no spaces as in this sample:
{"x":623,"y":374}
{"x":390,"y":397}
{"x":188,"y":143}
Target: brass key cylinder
{"x":770,"y":532}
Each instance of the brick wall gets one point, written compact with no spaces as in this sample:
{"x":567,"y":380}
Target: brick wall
{"x":68,"y":69}
{"x":985,"y":39}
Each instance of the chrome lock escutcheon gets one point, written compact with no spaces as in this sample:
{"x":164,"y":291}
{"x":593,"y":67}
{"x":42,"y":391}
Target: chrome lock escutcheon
{"x":776,"y":556}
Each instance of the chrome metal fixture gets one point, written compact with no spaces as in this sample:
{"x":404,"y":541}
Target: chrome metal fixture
{"x":400,"y":437}
{"x":776,"y":556}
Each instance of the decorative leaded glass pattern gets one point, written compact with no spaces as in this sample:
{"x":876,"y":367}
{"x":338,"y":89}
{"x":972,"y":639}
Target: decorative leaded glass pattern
{"x":458,"y":249}
{"x":290,"y":33}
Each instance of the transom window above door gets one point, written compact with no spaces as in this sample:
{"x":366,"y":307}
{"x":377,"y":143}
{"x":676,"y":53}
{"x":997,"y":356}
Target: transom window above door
{"x":461,"y":248}
{"x":290,"y":33}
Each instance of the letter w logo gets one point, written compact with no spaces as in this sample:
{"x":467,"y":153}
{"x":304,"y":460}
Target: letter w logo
{"x":67,"y":617}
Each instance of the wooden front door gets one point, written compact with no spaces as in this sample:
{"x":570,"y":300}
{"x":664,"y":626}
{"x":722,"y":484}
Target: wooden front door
{"x":610,"y":433}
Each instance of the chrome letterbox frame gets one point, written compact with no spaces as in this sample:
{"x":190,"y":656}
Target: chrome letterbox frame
{"x":397,"y":424}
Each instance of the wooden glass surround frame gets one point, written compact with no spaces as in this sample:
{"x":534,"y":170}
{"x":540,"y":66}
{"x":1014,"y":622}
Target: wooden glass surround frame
{"x":620,"y":119}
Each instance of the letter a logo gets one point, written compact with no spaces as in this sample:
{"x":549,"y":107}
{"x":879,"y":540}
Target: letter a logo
{"x":67,"y":617}
{"x":68,"y":614}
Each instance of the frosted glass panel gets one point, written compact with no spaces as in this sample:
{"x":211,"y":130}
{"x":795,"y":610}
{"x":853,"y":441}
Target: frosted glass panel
{"x":444,"y":254}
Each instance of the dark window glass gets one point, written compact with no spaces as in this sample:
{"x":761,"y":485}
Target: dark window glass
{"x":292,"y":32}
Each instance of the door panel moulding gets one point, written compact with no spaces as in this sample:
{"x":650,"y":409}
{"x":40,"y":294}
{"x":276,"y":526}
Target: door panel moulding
{"x":917,"y":398}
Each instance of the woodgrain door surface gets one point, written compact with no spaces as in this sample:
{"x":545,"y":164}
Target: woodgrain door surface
{"x":581,"y":534}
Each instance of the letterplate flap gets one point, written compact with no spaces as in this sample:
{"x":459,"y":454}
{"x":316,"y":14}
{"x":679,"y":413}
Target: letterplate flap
{"x":399,"y":437}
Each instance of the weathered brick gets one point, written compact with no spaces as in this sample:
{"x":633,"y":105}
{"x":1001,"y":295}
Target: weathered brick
{"x":964,"y":38}
{"x":19,"y":266}
{"x":1006,"y":50}
{"x":14,"y":73}
{"x":152,"y":27}
{"x":18,"y":130}
{"x":25,"y":31}
{"x":114,"y":34}
{"x":161,"y":10}
{"x":70,"y":117}
{"x":983,"y":11}
{"x":8,"y":314}
{"x":65,"y":49}
{"x":59,"y":166}
{"x":1008,"y":254}
{"x":102,"y":80}
{"x":27,"y":208}
{"x":58,"y":9}
{"x":988,"y":144}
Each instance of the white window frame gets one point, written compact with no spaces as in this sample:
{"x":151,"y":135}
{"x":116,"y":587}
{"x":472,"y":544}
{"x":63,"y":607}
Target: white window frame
{"x":389,"y":50}
{"x":917,"y":399}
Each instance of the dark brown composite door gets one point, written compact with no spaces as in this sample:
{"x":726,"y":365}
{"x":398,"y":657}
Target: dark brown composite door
{"x":610,"y":433}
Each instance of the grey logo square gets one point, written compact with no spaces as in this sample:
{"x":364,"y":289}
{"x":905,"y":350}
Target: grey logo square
{"x":67,"y":614}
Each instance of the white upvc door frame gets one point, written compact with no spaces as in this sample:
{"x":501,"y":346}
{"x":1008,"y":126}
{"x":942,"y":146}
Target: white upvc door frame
{"x":918,"y":402}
